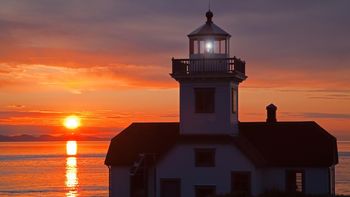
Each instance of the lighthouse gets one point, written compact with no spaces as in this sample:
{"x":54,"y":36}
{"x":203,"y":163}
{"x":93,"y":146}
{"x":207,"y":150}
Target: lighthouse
{"x":209,"y":79}
{"x":209,"y":151}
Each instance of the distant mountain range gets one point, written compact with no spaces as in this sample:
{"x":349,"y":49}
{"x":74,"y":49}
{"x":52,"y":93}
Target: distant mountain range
{"x":25,"y":137}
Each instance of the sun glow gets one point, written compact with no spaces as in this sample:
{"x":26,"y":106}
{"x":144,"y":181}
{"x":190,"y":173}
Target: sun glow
{"x":71,"y":147}
{"x":71,"y":122}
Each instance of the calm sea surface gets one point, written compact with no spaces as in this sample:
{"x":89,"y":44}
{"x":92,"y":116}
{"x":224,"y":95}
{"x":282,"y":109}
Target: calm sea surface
{"x":45,"y":169}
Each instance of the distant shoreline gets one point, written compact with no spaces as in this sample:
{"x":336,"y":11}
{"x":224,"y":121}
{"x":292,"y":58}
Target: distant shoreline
{"x":31,"y":138}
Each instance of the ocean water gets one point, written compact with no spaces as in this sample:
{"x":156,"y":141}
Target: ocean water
{"x":77,"y":169}
{"x":47,"y":169}
{"x":342,"y":170}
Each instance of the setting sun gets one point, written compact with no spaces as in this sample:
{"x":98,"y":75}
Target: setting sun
{"x":72,"y":122}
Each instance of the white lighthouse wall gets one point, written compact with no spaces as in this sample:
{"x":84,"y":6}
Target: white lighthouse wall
{"x":316,"y":179}
{"x":180,"y":163}
{"x":222,"y":121}
{"x":119,"y":181}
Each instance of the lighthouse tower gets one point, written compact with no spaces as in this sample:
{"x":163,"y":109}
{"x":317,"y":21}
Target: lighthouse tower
{"x":209,"y":81}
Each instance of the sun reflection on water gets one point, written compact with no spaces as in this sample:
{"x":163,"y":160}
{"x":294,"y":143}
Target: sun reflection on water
{"x":71,"y":182}
{"x":71,"y":147}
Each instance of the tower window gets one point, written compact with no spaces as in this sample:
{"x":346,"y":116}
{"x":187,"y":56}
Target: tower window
{"x":222,"y":45}
{"x":234,"y":100}
{"x":195,"y":47}
{"x":204,"y":157}
{"x":204,"y":100}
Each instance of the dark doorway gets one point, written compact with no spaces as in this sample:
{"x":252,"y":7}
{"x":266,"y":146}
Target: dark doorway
{"x":241,"y":182}
{"x":205,"y":190}
{"x":138,"y":185}
{"x":170,"y":188}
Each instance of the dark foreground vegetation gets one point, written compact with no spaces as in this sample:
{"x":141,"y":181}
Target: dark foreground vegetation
{"x":278,"y":194}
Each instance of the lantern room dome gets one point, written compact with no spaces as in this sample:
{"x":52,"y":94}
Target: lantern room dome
{"x":209,"y":28}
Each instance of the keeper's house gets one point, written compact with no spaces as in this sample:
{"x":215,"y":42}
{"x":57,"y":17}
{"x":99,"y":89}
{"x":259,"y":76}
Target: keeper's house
{"x":209,"y":151}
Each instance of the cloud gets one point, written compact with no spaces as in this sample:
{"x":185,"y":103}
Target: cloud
{"x":85,"y":52}
{"x":327,"y":115}
{"x":37,"y":130}
{"x":319,"y":115}
{"x":285,"y":41}
{"x":79,"y":80}
{"x":16,"y":106}
{"x":342,"y":93}
{"x":32,"y":114}
{"x":332,"y":97}
{"x":298,"y":31}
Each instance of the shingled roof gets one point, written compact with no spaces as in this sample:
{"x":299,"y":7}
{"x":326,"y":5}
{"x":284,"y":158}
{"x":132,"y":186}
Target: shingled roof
{"x":265,"y":144}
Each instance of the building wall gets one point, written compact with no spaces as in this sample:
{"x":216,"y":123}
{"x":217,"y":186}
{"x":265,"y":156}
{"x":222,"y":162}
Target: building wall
{"x":180,"y":163}
{"x":316,"y":179}
{"x":273,"y":179}
{"x":151,"y":181}
{"x":222,"y":121}
{"x":119,"y":181}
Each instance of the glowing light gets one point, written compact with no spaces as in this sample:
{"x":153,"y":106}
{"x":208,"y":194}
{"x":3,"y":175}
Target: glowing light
{"x":71,"y":147}
{"x":72,"y":122}
{"x":71,"y":177}
{"x":209,"y":46}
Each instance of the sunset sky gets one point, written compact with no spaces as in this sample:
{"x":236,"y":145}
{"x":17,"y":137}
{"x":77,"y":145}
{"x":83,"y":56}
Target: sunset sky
{"x":109,"y":61}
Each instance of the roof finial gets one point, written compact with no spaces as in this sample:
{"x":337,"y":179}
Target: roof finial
{"x":209,"y":16}
{"x":209,"y":5}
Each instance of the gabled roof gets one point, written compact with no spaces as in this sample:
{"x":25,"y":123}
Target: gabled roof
{"x":154,"y":138}
{"x":265,"y":144}
{"x":209,"y":28}
{"x":292,"y":143}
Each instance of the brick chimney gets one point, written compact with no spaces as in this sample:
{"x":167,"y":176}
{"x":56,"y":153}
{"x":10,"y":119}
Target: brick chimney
{"x":271,"y":113}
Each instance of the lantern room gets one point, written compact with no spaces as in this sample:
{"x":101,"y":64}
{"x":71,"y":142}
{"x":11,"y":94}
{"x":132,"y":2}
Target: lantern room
{"x":209,"y":41}
{"x":209,"y":55}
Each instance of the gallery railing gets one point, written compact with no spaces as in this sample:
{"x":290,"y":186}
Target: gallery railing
{"x":207,"y":66}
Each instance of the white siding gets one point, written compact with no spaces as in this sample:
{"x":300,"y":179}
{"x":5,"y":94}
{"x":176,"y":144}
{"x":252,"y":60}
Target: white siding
{"x":180,"y":163}
{"x":316,"y":181}
{"x":120,"y":181}
{"x":222,"y":121}
{"x":273,"y":179}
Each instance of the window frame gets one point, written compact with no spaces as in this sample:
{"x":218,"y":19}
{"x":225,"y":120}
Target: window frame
{"x":212,"y":151}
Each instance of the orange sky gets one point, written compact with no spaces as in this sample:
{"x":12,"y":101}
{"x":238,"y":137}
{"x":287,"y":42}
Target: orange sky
{"x":110,"y":62}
